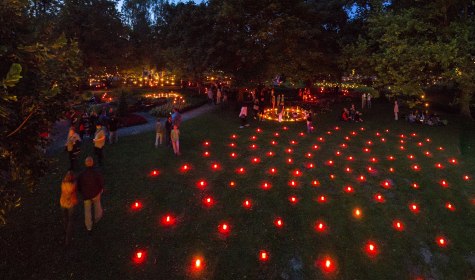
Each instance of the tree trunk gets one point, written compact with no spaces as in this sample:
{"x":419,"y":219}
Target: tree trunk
{"x":465,"y":99}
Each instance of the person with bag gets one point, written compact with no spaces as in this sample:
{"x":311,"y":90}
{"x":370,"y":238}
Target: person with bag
{"x":68,"y":201}
{"x":73,"y":147}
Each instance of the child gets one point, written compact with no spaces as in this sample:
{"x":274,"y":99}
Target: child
{"x":158,"y":132}
{"x":175,"y":137}
{"x":67,"y":201}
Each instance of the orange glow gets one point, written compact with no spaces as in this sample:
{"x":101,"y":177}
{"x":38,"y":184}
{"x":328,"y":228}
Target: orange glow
{"x":232,"y":184}
{"x":198,"y":264}
{"x":316,"y":183}
{"x":357,"y":213}
{"x":450,"y":206}
{"x":441,"y":241}
{"x":263,"y":256}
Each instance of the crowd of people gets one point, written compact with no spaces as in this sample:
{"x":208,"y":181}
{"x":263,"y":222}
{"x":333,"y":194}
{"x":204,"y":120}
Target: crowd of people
{"x":351,"y":115}
{"x":426,"y":118}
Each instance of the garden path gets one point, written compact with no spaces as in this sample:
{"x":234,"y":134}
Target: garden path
{"x":60,"y":130}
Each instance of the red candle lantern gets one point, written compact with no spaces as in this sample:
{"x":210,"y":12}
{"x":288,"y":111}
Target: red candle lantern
{"x":466,"y":177}
{"x":349,"y":189}
{"x":255,"y":160}
{"x":273,"y":142}
{"x":441,"y":241}
{"x":273,"y":170}
{"x":215,"y":166}
{"x":206,"y":143}
{"x":206,"y":154}
{"x":289,"y":150}
{"x":327,"y":265}
{"x":233,"y":155}
{"x":224,"y":228}
{"x":308,"y":155}
{"x":293,"y":183}
{"x":293,"y":199}
{"x":278,"y":222}
{"x":247,"y":204}
{"x":371,"y":249}
{"x":201,"y":184}
{"x":263,"y":256}
{"x":208,"y":201}
{"x":444,"y":183}
{"x":290,"y":161}
{"x":270,"y":153}
{"x":450,"y":206}
{"x":154,"y":173}
{"x":320,"y":226}
{"x":315,"y":183}
{"x":379,"y":198}
{"x":168,"y":220}
{"x":297,"y":172}
{"x":137,"y":205}
{"x":398,"y":225}
{"x":241,"y":170}
{"x":198,"y":264}
{"x":139,"y":256}
{"x":185,"y":168}
{"x":414,"y":208}
{"x":266,"y":185}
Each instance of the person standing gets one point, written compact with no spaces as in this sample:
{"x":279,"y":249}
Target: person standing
{"x":158,"y":132}
{"x":280,"y":111}
{"x":99,"y":142}
{"x":113,"y":125}
{"x":91,"y":185}
{"x":363,"y":100}
{"x":175,"y":137}
{"x":309,"y":122}
{"x":396,"y":110}
{"x":68,"y":201}
{"x":168,"y":129}
{"x":368,"y":100}
{"x":243,"y":116}
{"x":73,"y":144}
{"x":176,"y":117}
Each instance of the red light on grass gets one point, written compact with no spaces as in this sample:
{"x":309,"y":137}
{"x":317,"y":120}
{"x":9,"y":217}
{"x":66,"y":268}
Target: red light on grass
{"x":343,"y":145}
{"x":224,"y":228}
{"x":258,"y":130}
{"x":369,"y":142}
{"x":198,"y":264}
{"x":232,"y":184}
{"x":256,"y":160}
{"x":427,"y":153}
{"x":278,"y":222}
{"x":347,"y":138}
{"x":234,"y":136}
{"x":168,"y":220}
{"x":327,"y":265}
{"x":441,"y":241}
{"x":398,"y":225}
{"x":453,"y":161}
{"x":450,"y":206}
{"x":201,"y":184}
{"x":206,"y":143}
{"x":308,"y":155}
{"x":321,"y":139}
{"x":373,"y":159}
{"x":185,"y":168}
{"x":350,"y":158}
{"x":371,"y":249}
{"x":320,"y":226}
{"x":139,"y":256}
{"x":208,"y":201}
{"x":215,"y":166}
{"x":232,"y":145}
{"x":361,"y":178}
{"x":233,"y":155}
{"x":414,"y":208}
{"x":366,"y":150}
{"x":289,"y":150}
{"x":402,"y":148}
{"x":302,"y":134}
{"x":416,"y":167}
{"x":241,"y":170}
{"x":415,"y":185}
{"x":297,"y":172}
{"x":253,"y":138}
{"x":322,"y":199}
{"x":273,"y":170}
{"x":290,"y":161}
{"x":276,"y":134}
{"x":466,"y":177}
{"x":310,"y":165}
{"x":285,"y":128}
{"x":292,"y":183}
{"x":206,"y":154}
{"x":391,"y":169}
{"x":263,"y":256}
{"x":338,"y":153}
{"x":386,"y":184}
{"x":273,"y":142}
{"x":247,"y":203}
{"x":440,"y":148}
{"x":379,"y":198}
{"x":444,"y":183}
{"x":270,"y":154}
{"x":332,"y":176}
{"x":349,"y":189}
{"x":293,"y":199}
{"x":428,"y":140}
{"x":348,"y":170}
{"x":266,"y":186}
{"x":330,"y":162}
{"x":137,"y":205}
{"x":253,"y":146}
{"x":293,"y":142}
{"x":315,"y":183}
{"x":439,"y":165}
{"x":154,"y":173}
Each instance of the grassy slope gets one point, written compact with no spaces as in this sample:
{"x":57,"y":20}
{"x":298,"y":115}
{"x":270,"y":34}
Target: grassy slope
{"x":31,"y":243}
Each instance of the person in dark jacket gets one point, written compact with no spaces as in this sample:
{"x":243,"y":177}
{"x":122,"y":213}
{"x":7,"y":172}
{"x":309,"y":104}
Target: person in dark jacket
{"x":113,"y":125}
{"x":90,"y":185}
{"x":168,"y":129}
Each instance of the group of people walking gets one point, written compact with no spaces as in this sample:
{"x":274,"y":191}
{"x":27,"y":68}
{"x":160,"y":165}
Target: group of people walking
{"x":169,"y":132}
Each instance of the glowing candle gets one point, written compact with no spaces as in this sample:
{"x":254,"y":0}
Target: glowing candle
{"x":232,"y":145}
{"x":201,"y":184}
{"x":247,"y":203}
{"x":466,"y":178}
{"x":232,"y":184}
{"x":308,"y":155}
{"x":215,"y":166}
{"x":439,"y":165}
{"x":415,"y":185}
{"x":379,"y":198}
{"x":316,"y":183}
{"x":357,"y":213}
{"x":273,"y":170}
{"x":414,"y":208}
{"x":293,"y":183}
{"x":411,"y":156}
{"x":293,"y":142}
{"x":348,"y":170}
{"x":137,"y":205}
{"x":320,"y":226}
{"x":321,"y":139}
{"x":258,"y":130}
{"x":315,"y":147}
{"x":289,"y":160}
{"x":208,"y":201}
{"x":441,"y":241}
{"x":206,"y":154}
{"x":278,"y":222}
{"x":139,"y":256}
{"x":253,"y":146}
{"x":444,"y":183}
{"x":273,"y":142}
{"x":416,"y":167}
{"x":270,"y":153}
{"x":338,"y":153}
{"x":297,"y":173}
{"x":330,"y":162}
{"x":253,"y":137}
{"x":350,"y":158}
{"x":343,"y":145}
{"x":234,"y":136}
{"x":185,"y":167}
{"x":198,"y":264}
{"x":263,"y":256}
{"x":332,"y":176}
{"x":371,"y":249}
{"x":366,"y":150}
{"x":206,"y":143}
{"x":154,"y":173}
{"x":386,"y":184}
{"x":398,"y":225}
{"x":241,"y":170}
{"x":266,"y":186}
{"x":361,"y":178}
{"x":289,"y":150}
{"x":168,"y":220}
{"x":256,"y":160}
{"x":322,"y":199}
{"x":453,"y":161}
{"x":391,"y":169}
{"x":369,"y":142}
{"x":349,"y":189}
{"x":224,"y":228}
{"x":293,"y":199}
{"x":450,"y":206}
{"x":276,"y":134}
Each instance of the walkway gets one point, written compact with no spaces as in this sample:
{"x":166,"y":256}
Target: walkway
{"x":60,"y":130}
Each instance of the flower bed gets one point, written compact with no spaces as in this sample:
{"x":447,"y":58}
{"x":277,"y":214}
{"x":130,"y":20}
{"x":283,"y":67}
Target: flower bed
{"x":131,"y":120}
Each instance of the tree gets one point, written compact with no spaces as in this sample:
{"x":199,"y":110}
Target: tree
{"x":411,"y":46}
{"x":38,"y":78}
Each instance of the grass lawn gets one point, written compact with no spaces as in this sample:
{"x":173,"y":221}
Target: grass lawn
{"x":321,"y":235}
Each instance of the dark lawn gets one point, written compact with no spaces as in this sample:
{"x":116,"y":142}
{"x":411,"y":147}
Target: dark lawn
{"x":31,"y":243}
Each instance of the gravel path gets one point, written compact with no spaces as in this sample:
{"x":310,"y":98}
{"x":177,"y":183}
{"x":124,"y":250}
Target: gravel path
{"x":60,"y":130}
